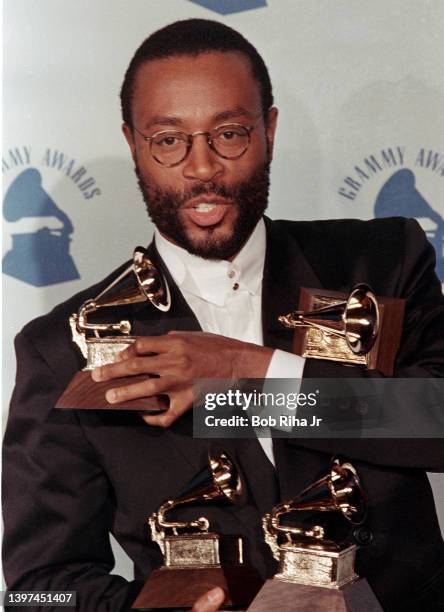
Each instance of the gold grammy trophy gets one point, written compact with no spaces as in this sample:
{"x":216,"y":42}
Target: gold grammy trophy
{"x":358,"y":328}
{"x":315,"y":572}
{"x":139,"y":282}
{"x":196,"y":559}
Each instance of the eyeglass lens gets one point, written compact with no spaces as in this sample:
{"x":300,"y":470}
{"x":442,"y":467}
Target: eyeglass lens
{"x":228,"y":141}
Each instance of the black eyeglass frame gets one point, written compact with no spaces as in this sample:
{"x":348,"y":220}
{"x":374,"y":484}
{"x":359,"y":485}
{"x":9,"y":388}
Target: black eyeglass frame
{"x":208,"y":133}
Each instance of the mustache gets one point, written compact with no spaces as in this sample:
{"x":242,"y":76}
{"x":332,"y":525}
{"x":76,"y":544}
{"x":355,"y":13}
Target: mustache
{"x":182,"y":197}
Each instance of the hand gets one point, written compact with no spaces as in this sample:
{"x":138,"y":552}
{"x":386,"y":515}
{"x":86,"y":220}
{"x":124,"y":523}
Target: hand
{"x":210,"y":601}
{"x":178,"y":358}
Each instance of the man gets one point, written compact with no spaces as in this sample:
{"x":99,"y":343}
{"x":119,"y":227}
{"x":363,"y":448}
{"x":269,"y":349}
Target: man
{"x":199,"y":119}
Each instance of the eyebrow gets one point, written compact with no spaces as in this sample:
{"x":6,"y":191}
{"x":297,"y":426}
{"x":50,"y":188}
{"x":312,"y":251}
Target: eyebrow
{"x":234,"y":113}
{"x":160,"y":120}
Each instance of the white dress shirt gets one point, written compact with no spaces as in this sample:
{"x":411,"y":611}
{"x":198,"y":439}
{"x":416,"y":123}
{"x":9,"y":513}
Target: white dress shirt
{"x":226,"y":297}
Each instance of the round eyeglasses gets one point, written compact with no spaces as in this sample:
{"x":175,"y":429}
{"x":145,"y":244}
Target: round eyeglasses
{"x":170,"y":147}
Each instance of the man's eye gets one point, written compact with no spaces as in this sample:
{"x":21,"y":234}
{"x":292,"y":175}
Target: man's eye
{"x":228,"y":135}
{"x":167,"y":141}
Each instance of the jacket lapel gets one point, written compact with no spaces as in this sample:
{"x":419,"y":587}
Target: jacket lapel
{"x":286,"y":271}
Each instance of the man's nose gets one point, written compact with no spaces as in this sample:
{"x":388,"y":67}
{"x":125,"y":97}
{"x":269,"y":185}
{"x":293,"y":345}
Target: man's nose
{"x":202,"y":163}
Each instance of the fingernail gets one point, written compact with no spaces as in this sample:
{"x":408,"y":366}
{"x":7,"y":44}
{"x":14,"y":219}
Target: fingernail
{"x":215,"y":594}
{"x":111,"y":396}
{"x":96,"y":375}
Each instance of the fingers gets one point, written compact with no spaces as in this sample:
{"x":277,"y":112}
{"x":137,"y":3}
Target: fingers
{"x":131,"y":367}
{"x":179,"y":403}
{"x":148,"y":344}
{"x":210,"y":601}
{"x":162,"y":420}
{"x":162,"y":355}
{"x":145,"y":388}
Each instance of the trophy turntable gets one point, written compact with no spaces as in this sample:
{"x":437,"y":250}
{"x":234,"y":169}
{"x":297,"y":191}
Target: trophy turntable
{"x":101,"y":340}
{"x":195,"y":558}
{"x":316,"y":571}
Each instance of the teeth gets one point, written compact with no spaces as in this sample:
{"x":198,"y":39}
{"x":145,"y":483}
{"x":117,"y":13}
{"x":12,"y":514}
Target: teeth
{"x":205,"y":207}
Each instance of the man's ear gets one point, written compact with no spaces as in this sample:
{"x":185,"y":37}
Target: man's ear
{"x":129,"y":135}
{"x":270,"y":130}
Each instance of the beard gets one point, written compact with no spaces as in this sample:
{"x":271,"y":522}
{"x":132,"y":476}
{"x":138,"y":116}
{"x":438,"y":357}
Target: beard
{"x":250,"y":197}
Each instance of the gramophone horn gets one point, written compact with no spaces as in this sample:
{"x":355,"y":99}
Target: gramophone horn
{"x":220,"y":480}
{"x":338,"y":491}
{"x":139,"y":282}
{"x":151,"y":281}
{"x":356,"y":319}
{"x":361,"y":318}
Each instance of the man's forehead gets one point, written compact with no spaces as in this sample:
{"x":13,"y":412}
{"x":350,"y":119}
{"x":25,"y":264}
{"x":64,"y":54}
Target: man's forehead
{"x":210,"y":83}
{"x":209,"y":62}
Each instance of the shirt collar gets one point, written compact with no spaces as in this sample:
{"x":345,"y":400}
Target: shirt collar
{"x":213,"y":280}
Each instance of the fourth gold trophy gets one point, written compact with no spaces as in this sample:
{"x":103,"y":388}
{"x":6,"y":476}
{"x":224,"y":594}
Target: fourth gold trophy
{"x":316,"y":572}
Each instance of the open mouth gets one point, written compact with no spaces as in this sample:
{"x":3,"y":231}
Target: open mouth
{"x":206,"y":213}
{"x":205,"y":207}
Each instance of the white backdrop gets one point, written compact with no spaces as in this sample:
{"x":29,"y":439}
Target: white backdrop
{"x":360,"y":88}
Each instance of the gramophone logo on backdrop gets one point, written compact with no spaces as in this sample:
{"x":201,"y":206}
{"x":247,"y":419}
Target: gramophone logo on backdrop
{"x":402,"y":178}
{"x":41,"y":257}
{"x":227,"y":7}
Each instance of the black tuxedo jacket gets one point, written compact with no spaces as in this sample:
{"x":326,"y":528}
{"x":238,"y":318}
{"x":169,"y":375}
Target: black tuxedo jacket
{"x":71,"y":477}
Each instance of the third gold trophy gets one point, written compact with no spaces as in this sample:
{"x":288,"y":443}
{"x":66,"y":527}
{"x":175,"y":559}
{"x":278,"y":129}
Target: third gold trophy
{"x":196,"y":558}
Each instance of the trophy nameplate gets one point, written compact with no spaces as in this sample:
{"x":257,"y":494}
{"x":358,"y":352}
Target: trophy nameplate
{"x":196,"y":559}
{"x":315,"y":572}
{"x":139,"y":282}
{"x":320,"y":327}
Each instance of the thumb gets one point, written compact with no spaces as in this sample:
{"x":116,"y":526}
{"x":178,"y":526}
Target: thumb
{"x":210,"y":601}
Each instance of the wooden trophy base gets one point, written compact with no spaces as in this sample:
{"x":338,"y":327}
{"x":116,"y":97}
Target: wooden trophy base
{"x":83,"y":393}
{"x":173,"y":587}
{"x":276,"y":594}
